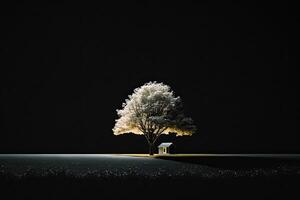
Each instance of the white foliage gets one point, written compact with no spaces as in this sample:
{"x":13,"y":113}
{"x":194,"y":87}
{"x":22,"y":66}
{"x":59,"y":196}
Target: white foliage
{"x":152,"y":110}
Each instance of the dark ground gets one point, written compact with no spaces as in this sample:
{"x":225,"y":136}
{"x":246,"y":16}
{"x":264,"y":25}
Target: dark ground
{"x":119,"y":176}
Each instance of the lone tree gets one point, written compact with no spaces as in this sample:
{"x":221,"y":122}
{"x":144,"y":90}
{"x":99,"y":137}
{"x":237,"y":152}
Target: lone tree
{"x":153,"y":110}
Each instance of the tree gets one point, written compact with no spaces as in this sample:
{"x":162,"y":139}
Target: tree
{"x":153,"y":110}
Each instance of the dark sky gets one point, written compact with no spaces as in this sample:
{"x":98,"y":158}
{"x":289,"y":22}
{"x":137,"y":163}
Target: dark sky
{"x":66,"y":68}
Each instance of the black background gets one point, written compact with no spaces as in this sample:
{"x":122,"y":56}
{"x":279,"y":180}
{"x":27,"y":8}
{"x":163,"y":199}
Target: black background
{"x":66,"y":68}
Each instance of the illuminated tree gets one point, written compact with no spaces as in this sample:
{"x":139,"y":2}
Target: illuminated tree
{"x":153,"y":110}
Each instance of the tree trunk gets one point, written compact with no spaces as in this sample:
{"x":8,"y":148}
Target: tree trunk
{"x":151,"y":150}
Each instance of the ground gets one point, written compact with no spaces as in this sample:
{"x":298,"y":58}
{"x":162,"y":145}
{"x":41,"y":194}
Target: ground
{"x":61,"y":176}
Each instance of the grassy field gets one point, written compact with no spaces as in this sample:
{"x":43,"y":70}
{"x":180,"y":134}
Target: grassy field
{"x":82,"y":176}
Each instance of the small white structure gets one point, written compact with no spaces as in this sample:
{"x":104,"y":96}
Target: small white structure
{"x":164,"y":148}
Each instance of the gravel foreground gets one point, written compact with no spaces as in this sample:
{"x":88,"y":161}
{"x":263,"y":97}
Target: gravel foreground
{"x":118,"y":176}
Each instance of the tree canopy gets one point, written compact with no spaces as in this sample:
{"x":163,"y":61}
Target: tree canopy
{"x":152,"y":110}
